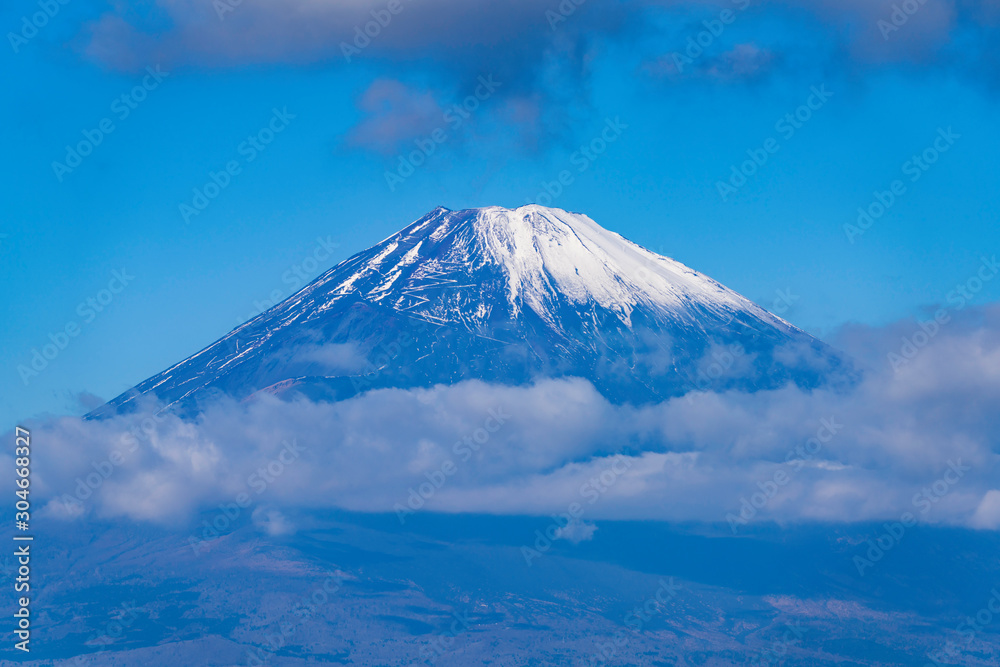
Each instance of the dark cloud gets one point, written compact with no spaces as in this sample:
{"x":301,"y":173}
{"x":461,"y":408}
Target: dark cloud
{"x":743,"y":62}
{"x":523,"y":41}
{"x":542,"y":51}
{"x":395,"y":115}
{"x":506,"y":39}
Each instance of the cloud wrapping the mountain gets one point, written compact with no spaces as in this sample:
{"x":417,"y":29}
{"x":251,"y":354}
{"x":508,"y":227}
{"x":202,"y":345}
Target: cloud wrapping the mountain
{"x":920,"y":438}
{"x":333,"y":358}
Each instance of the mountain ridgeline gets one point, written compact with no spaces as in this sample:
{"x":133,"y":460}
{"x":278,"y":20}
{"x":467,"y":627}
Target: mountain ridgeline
{"x":504,"y":296}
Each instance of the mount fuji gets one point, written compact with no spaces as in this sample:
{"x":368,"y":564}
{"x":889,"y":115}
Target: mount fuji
{"x":505,"y":296}
{"x":198,"y":542}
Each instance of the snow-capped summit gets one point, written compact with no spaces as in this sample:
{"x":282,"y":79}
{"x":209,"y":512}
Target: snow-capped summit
{"x":461,"y":266}
{"x":503,"y":295}
{"x":544,"y":250}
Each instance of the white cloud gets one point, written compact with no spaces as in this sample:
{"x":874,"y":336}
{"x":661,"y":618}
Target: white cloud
{"x":576,"y":531}
{"x":988,"y":513}
{"x":861,"y":454}
{"x":333,"y":358}
{"x":272,"y":522}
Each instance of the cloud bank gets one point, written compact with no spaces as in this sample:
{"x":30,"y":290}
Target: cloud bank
{"x":420,"y":58}
{"x":511,"y":39}
{"x":918,"y":434}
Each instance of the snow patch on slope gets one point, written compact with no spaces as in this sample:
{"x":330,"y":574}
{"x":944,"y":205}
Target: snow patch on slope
{"x":546,"y":251}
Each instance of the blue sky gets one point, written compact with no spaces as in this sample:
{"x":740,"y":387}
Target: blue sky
{"x":319,"y":189}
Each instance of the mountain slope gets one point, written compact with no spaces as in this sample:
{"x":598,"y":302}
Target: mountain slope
{"x":504,"y":296}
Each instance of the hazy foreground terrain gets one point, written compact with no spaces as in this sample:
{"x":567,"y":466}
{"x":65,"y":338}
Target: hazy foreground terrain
{"x":396,"y":595}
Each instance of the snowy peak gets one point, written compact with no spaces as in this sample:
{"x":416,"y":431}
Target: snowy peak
{"x":544,"y":249}
{"x":456,"y":266}
{"x":501,"y":295}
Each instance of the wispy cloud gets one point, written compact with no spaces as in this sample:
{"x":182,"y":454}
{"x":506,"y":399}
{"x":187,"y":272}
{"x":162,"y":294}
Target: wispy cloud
{"x":395,"y":115}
